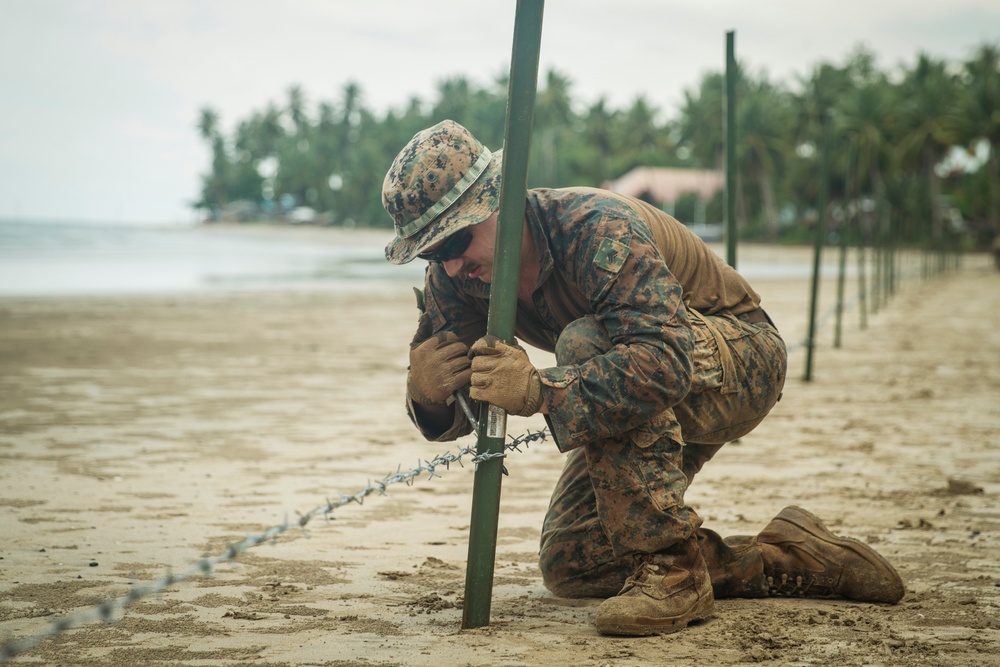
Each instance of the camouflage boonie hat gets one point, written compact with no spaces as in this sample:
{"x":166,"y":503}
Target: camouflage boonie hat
{"x":442,"y":181}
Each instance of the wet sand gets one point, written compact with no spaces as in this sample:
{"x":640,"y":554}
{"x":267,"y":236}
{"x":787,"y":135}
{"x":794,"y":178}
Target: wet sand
{"x":139,"y":434}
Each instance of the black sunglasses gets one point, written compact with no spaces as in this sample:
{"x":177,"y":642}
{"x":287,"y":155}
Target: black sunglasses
{"x":452,"y":247}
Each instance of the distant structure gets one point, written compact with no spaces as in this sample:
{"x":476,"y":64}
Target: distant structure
{"x":663,"y":186}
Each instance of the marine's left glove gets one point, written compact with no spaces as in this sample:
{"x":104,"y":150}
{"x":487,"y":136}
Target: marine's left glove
{"x":503,"y":376}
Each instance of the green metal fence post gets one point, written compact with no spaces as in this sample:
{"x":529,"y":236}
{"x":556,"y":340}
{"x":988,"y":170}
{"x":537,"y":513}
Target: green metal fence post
{"x":878,"y":263}
{"x":891,"y":248}
{"x":845,"y":229}
{"x":818,"y":249}
{"x":862,"y":279}
{"x":730,"y":116}
{"x":503,"y":306}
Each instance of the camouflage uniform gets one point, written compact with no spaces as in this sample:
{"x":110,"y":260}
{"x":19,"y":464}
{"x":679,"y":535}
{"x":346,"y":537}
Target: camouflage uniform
{"x":665,"y":356}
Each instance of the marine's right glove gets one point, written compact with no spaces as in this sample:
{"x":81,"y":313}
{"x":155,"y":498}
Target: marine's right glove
{"x":503,"y":376}
{"x":439,"y":366}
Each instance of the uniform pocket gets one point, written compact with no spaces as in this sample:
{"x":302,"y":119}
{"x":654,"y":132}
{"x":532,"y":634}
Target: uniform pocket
{"x":706,"y":367}
{"x":663,"y":425}
{"x":712,"y":362}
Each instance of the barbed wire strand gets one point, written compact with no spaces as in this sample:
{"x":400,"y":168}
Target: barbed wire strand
{"x":205,"y":567}
{"x":821,"y":322}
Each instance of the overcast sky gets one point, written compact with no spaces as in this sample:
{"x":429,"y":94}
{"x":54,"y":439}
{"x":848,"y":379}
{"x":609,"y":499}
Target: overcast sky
{"x":99,"y":99}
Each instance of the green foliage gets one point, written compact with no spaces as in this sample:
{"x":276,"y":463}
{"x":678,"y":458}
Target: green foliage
{"x":892,"y":137}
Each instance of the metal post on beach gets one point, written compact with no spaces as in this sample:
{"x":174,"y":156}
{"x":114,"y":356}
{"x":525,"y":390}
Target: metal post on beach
{"x":820,"y":238}
{"x":730,"y":121}
{"x":503,"y":307}
{"x":846,"y":225}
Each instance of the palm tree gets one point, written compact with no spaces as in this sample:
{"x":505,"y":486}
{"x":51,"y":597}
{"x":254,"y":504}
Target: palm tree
{"x":553,"y":118}
{"x":296,"y":108}
{"x":821,"y":97}
{"x":208,"y":123}
{"x":700,"y":126}
{"x":214,"y":190}
{"x":454,"y":100}
{"x":764,"y":116}
{"x":643,"y":140}
{"x":262,"y":134}
{"x":925,"y":110}
{"x":867,"y":115}
{"x":591,"y":156}
{"x":977,"y":119}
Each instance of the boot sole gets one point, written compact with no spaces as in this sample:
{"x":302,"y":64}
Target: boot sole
{"x":812,"y":524}
{"x":643,"y":626}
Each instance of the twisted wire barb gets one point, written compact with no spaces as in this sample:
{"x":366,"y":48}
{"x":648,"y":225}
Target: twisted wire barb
{"x":205,"y":567}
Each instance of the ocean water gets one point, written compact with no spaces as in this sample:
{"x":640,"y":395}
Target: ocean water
{"x":39,"y":258}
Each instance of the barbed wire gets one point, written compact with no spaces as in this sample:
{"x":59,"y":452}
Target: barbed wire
{"x":205,"y":567}
{"x":865,"y":295}
{"x":822,"y":321}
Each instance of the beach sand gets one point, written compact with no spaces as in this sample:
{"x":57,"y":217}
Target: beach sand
{"x":140,"y":434}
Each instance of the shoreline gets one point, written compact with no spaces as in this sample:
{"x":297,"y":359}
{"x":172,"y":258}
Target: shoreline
{"x":382,"y":235}
{"x":226,"y":257}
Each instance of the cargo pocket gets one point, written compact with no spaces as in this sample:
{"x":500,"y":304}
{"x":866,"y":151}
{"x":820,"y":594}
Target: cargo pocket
{"x":657,"y":459}
{"x":639,"y":486}
{"x":711,"y":359}
{"x":663,"y":425}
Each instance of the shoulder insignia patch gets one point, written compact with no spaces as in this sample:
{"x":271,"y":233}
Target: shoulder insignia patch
{"x":611,"y":255}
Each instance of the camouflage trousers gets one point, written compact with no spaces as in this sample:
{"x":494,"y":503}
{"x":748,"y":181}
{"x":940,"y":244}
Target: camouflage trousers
{"x":623,"y":497}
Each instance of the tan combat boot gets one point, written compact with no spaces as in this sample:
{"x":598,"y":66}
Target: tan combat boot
{"x":667,"y":592}
{"x":803,"y":558}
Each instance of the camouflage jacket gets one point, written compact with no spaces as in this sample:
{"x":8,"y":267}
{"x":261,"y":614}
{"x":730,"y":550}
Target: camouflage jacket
{"x":628,"y":263}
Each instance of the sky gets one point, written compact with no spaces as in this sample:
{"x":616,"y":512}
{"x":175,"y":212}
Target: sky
{"x":99,"y":99}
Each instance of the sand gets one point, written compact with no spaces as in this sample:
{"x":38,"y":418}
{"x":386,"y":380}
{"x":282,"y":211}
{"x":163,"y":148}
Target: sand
{"x":140,"y":434}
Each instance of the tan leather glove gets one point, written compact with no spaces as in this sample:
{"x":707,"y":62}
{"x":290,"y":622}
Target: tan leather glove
{"x":439,"y":366}
{"x":503,"y":376}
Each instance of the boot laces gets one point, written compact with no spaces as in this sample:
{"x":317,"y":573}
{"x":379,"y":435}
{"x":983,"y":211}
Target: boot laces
{"x":641,"y":577}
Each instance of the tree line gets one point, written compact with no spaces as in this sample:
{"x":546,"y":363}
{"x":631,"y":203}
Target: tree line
{"x":913,"y":150}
